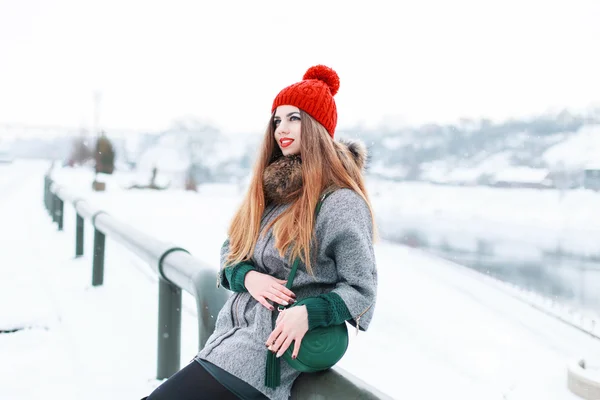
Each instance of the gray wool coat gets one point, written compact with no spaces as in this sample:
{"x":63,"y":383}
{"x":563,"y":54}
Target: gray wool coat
{"x":345,"y":265}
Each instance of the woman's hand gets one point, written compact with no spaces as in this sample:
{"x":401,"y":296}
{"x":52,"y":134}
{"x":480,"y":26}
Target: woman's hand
{"x":291,"y":326}
{"x":264,"y":287}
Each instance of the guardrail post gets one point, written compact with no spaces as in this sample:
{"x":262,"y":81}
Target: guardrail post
{"x":49,"y":199}
{"x":169,"y":329}
{"x":54,"y":200}
{"x":60,"y":211}
{"x":79,"y":232}
{"x":98,"y":260}
{"x":46,"y":193}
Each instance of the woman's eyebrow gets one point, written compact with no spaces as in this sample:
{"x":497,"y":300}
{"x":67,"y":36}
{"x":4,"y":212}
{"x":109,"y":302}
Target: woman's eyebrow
{"x":288,"y":115}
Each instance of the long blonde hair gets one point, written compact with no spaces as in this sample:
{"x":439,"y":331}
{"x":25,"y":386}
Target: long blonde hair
{"x":325,"y":164}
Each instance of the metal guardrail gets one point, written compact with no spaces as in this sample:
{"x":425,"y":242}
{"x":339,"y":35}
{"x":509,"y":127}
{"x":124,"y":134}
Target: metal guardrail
{"x":178,"y":270}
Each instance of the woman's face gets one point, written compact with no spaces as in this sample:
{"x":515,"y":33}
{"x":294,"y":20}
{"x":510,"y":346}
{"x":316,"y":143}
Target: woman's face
{"x":287,"y":129}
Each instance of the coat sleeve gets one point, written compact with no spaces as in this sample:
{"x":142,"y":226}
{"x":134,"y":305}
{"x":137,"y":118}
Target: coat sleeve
{"x":232,"y":277}
{"x":345,"y":237}
{"x":325,"y":310}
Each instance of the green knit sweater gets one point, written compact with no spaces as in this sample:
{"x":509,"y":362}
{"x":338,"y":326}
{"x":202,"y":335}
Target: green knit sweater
{"x":323,"y":310}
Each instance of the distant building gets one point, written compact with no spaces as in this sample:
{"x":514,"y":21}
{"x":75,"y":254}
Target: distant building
{"x":591,"y":177}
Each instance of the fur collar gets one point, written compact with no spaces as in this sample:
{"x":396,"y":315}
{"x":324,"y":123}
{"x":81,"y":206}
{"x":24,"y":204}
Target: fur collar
{"x":282,"y":179}
{"x":357,"y":150}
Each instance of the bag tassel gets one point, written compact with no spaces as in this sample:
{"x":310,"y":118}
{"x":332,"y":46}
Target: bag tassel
{"x":273,"y":372}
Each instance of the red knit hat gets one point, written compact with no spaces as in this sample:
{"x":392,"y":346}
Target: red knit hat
{"x":314,"y":95}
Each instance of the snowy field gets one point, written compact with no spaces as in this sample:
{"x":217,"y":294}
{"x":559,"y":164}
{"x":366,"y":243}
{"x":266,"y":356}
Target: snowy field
{"x":517,"y":218}
{"x":440,"y":330}
{"x":535,"y":238}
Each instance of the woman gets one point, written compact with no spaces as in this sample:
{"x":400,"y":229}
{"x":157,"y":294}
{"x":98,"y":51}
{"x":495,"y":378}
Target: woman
{"x":337,"y":278}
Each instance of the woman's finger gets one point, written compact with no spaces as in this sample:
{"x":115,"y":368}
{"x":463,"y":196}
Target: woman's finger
{"x":297,"y":344}
{"x":285,"y":345}
{"x":281,"y":295}
{"x":273,"y":336}
{"x":265,"y":303}
{"x":279,"y":342}
{"x":284,"y":290}
{"x":275,"y":298}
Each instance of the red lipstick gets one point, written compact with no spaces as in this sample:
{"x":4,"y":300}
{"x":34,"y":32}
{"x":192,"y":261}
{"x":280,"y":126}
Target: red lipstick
{"x":285,"y":142}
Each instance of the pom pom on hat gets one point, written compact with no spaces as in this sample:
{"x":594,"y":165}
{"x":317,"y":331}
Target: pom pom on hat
{"x":325,"y":74}
{"x":314,"y":95}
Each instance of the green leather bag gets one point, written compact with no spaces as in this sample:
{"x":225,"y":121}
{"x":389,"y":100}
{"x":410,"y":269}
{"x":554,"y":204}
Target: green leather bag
{"x":321,"y":347}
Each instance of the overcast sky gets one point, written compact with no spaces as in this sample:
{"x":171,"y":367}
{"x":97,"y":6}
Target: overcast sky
{"x":402,"y":61}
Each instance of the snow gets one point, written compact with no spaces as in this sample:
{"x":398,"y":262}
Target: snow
{"x":395,"y":142}
{"x":518,"y":225}
{"x":463,"y":175}
{"x":544,"y":219}
{"x":440,"y":330}
{"x":382,"y":170}
{"x":521,"y":175}
{"x":435,"y":171}
{"x":443,"y":171}
{"x":591,"y":372}
{"x":572,"y":151}
{"x":164,"y":159}
{"x":580,"y":151}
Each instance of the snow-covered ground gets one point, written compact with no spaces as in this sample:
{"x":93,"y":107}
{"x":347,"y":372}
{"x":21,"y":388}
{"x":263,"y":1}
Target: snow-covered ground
{"x":440,"y":330}
{"x":581,"y":151}
{"x":544,"y":219}
{"x":549,"y":233}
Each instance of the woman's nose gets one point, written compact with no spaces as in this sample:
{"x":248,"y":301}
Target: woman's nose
{"x":284,"y":129}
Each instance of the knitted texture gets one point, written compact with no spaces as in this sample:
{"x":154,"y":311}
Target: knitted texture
{"x":325,"y":310}
{"x":235,"y":277}
{"x":314,"y":95}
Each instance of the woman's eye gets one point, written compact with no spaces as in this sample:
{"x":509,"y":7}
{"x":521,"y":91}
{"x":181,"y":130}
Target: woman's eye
{"x":276,"y":122}
{"x":295,"y":118}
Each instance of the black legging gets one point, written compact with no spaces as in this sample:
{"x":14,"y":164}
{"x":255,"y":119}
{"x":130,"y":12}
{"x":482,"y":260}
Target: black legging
{"x":192,"y":382}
